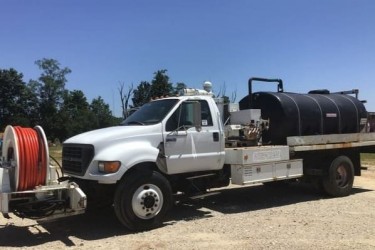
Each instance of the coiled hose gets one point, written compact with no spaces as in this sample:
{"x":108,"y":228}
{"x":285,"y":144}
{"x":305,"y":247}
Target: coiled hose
{"x":27,"y":147}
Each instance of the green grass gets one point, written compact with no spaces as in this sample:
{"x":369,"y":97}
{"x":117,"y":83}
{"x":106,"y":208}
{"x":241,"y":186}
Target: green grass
{"x":56,"y":152}
{"x":368,"y":159}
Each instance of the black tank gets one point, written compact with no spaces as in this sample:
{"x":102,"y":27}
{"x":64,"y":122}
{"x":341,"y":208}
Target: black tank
{"x":292,"y":114}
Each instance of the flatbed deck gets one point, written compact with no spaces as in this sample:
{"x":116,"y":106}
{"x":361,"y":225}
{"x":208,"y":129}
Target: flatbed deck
{"x":333,"y":141}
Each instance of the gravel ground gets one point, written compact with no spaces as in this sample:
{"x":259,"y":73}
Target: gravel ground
{"x":257,"y":217}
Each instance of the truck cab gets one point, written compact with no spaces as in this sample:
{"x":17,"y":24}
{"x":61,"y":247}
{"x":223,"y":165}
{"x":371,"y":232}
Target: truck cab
{"x":177,"y":142}
{"x":179,"y":135}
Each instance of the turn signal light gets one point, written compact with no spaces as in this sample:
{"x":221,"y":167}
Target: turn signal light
{"x":109,"y":166}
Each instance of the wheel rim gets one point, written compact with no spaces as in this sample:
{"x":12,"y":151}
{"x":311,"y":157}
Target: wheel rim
{"x":147,"y":201}
{"x":341,"y":176}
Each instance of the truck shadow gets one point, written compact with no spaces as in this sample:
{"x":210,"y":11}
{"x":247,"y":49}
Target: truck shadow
{"x":102,"y":224}
{"x":89,"y":226}
{"x":252,"y":198}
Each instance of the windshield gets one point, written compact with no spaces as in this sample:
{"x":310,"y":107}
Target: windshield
{"x":151,"y":113}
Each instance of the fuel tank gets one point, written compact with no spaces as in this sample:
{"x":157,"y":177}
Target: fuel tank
{"x":292,"y":114}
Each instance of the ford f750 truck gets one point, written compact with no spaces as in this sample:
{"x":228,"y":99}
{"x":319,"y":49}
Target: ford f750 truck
{"x":191,"y":143}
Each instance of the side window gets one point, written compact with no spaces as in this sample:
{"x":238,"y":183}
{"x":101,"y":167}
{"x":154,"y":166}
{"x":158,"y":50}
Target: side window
{"x":206,"y":114}
{"x":187,"y":114}
{"x":172,"y":123}
{"x":183,"y":116}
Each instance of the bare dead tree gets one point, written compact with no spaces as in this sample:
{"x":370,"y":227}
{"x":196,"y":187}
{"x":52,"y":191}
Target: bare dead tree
{"x":222,"y":93}
{"x":222,"y":90}
{"x":234,"y":96}
{"x":125,"y":97}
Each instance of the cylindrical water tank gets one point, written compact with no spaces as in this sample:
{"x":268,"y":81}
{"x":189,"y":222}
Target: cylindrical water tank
{"x":292,"y":114}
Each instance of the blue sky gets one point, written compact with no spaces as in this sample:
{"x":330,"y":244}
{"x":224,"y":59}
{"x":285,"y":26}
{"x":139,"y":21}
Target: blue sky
{"x":308,"y":44}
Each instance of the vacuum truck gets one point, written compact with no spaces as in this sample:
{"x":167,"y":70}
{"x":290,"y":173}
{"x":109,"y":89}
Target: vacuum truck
{"x":185,"y":146}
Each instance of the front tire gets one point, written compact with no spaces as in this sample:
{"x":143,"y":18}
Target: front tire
{"x":142,"y":200}
{"x":339,"y":181}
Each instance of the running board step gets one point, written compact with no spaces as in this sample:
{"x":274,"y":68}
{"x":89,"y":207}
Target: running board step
{"x":199,"y":196}
{"x":200,"y":176}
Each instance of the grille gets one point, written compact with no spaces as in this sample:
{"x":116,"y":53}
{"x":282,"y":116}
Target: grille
{"x":76,"y":158}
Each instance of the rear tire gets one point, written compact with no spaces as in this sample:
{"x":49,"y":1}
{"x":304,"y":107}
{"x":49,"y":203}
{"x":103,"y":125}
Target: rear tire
{"x":339,"y":181}
{"x":142,"y":200}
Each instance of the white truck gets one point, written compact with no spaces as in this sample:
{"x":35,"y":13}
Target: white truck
{"x":189,"y":144}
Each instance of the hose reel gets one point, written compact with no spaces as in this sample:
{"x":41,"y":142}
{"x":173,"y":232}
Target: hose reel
{"x":28,"y":184}
{"x":25,"y":159}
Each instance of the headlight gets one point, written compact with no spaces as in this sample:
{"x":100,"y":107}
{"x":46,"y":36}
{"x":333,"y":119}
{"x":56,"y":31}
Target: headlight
{"x":109,"y":166}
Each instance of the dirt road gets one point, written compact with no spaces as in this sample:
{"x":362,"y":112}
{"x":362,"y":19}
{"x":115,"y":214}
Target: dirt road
{"x":257,"y":217}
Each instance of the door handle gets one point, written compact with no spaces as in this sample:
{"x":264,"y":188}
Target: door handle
{"x":171,"y":139}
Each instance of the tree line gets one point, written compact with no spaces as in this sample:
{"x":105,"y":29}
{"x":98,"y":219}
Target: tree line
{"x":63,"y":113}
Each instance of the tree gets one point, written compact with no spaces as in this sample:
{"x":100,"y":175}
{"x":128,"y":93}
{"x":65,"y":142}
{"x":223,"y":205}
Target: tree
{"x":46,"y":102}
{"x":13,"y":99}
{"x":141,"y":94}
{"x":180,"y":86}
{"x":52,"y":80}
{"x":73,"y":116}
{"x":101,"y":114}
{"x":222,"y":94}
{"x":81,"y":115}
{"x":160,"y":85}
{"x":50,"y":88}
{"x":125,"y":99}
{"x":32,"y":103}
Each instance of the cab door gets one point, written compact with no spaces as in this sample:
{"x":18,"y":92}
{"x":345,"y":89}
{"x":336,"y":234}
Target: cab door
{"x":188,"y":149}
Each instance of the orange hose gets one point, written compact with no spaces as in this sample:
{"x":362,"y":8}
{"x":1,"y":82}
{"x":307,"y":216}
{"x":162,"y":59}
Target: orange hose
{"x":32,"y":159}
{"x":42,"y":159}
{"x":21,"y":160}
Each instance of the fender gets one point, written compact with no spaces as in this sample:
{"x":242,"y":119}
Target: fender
{"x":129,"y":154}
